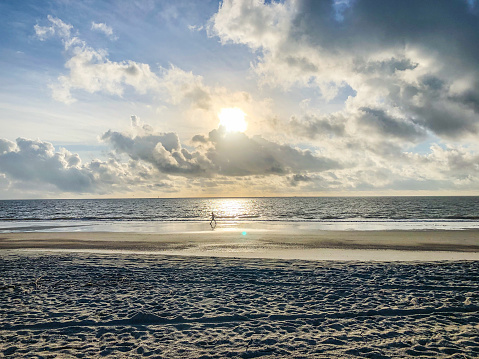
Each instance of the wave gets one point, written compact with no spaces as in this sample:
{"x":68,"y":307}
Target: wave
{"x":469,"y":218}
{"x":354,"y":210}
{"x":239,"y":219}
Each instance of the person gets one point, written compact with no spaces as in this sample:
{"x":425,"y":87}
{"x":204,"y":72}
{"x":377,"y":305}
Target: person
{"x":212,"y":220}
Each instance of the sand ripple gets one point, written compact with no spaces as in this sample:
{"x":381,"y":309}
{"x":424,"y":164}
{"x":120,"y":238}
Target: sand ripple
{"x":93,"y":305}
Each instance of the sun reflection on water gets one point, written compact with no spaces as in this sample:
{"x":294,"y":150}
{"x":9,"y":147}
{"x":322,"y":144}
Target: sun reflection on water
{"x":233,"y":209}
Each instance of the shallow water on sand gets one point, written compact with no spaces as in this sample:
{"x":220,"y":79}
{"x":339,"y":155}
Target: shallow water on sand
{"x":228,"y":225}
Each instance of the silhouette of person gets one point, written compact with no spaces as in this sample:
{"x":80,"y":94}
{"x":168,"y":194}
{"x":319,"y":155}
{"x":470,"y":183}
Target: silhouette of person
{"x":212,"y":220}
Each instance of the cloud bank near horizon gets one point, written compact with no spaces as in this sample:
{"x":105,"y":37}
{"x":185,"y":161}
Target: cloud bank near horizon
{"x":147,"y":161}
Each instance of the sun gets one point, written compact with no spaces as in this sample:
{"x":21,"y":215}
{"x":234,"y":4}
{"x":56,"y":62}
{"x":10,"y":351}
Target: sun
{"x":232,"y":119}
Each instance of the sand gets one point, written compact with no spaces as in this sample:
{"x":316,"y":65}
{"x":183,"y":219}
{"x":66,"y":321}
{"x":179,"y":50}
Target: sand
{"x":399,"y":245}
{"x":379,"y":294}
{"x":135,"y":305}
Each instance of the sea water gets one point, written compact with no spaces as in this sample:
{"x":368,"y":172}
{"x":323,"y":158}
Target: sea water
{"x":183,"y":214}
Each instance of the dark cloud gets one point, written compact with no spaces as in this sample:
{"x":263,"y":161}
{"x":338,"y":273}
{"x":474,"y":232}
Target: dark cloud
{"x":432,"y":105}
{"x":132,"y":70}
{"x":199,"y":138}
{"x":163,"y":151}
{"x":384,"y":67}
{"x":446,"y":26}
{"x":231,"y":159}
{"x":151,"y":157}
{"x":469,"y":98}
{"x":446,"y":29}
{"x":37,"y":162}
{"x":417,"y":58}
{"x":311,"y":126}
{"x":298,"y":178}
{"x":199,"y":97}
{"x":378,"y":120}
{"x":235,"y":154}
{"x":35,"y":165}
{"x":220,"y":153}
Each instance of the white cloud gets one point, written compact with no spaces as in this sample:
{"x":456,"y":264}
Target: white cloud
{"x":195,"y":28}
{"x":57,"y":27}
{"x":6,"y":146}
{"x":104,"y":28}
{"x":195,"y":105}
{"x":182,"y":85}
{"x":92,"y":71}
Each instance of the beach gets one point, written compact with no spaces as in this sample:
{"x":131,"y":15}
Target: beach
{"x":239,"y":179}
{"x":280,"y":242}
{"x":219,"y":295}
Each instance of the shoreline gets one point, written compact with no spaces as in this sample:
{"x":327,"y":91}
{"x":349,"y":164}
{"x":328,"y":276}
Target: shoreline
{"x":322,"y":245}
{"x":173,"y":227}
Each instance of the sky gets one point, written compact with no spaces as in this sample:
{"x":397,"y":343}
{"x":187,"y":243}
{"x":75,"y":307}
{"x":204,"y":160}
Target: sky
{"x":186,"y":98}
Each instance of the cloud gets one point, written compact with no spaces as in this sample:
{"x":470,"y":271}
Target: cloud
{"x":33,"y":161}
{"x":6,"y":146}
{"x":146,"y":160}
{"x":236,"y":154}
{"x":182,"y":85}
{"x":35,"y":165}
{"x":163,"y":151}
{"x":348,"y":164}
{"x":387,"y":125}
{"x":312,"y":126}
{"x":299,"y":178}
{"x":416,"y":59}
{"x":219,"y":153}
{"x":104,"y":28}
{"x":409,"y":68}
{"x":92,"y":71}
{"x":151,"y":158}
{"x":57,"y":27}
{"x":454,"y":164}
{"x":195,"y":28}
{"x":410,"y":86}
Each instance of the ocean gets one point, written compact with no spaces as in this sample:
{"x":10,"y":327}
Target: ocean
{"x":160,"y":214}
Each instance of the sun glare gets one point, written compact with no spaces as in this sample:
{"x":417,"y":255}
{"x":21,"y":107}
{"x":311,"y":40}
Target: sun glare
{"x":232,"y":119}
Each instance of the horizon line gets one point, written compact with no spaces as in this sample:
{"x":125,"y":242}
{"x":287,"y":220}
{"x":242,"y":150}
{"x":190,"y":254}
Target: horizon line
{"x":236,"y":197}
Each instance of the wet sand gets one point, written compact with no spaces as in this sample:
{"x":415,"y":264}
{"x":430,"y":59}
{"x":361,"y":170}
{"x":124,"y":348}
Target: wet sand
{"x":321,"y":245}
